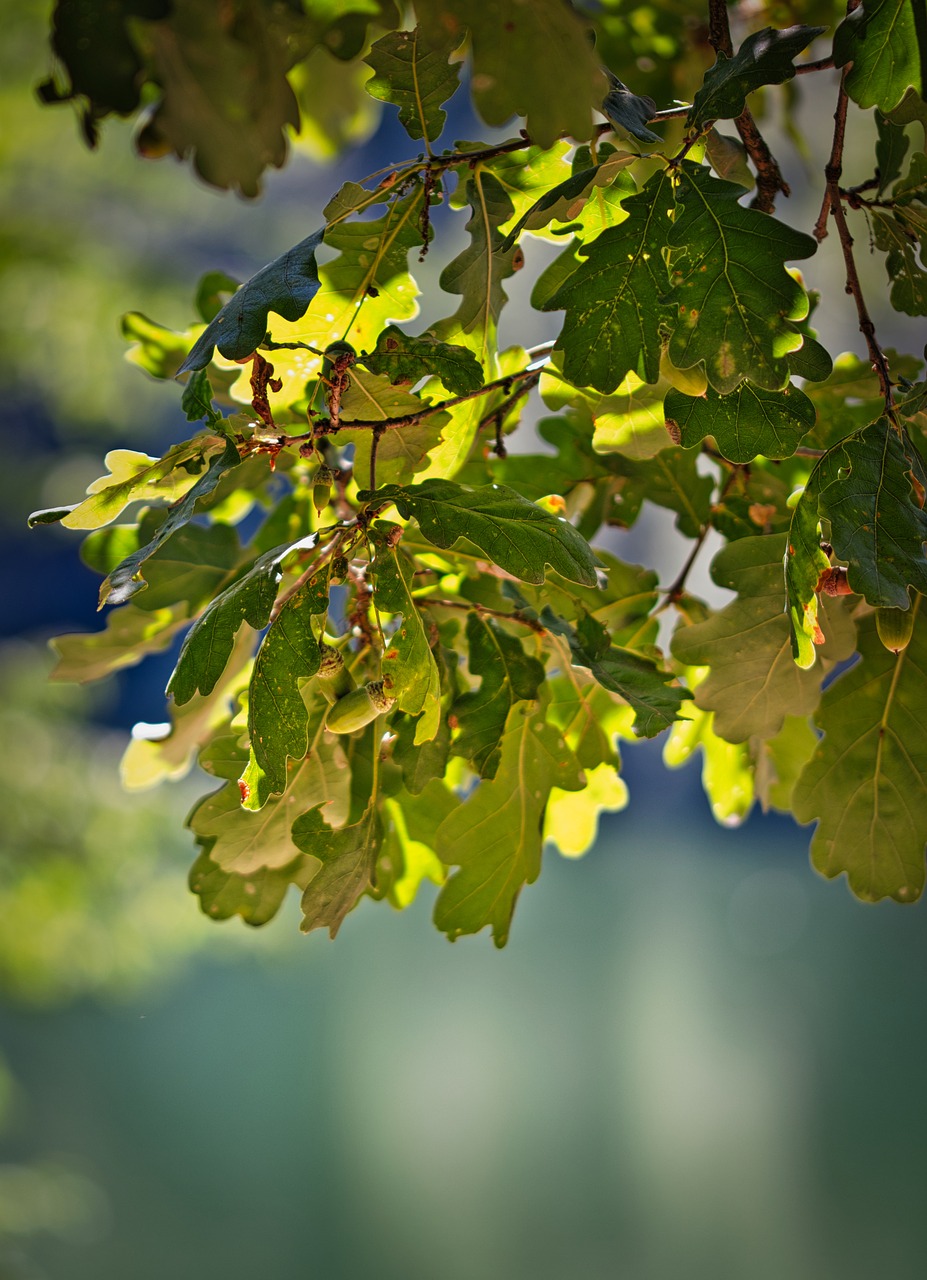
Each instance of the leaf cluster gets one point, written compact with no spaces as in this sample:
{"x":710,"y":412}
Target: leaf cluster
{"x":495,"y":659}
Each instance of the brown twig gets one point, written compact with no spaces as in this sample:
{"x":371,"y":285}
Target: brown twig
{"x":769,"y":179}
{"x":467,"y":605}
{"x":374,"y":446}
{"x":676,"y":588}
{"x":833,"y":206}
{"x":496,"y":417}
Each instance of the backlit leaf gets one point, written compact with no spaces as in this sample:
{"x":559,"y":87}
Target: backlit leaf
{"x":495,"y":836}
{"x":415,"y":74}
{"x":886,"y":42}
{"x":746,"y":422}
{"x":866,"y":783}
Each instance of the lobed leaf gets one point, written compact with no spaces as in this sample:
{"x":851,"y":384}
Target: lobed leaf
{"x":414,"y":74}
{"x":407,"y":359}
{"x":866,"y":784}
{"x":408,"y":665}
{"x":495,"y":836}
{"x":515,"y":534}
{"x":886,"y":42}
{"x":507,"y":675}
{"x":286,"y":286}
{"x":733,"y":300}
{"x":765,"y":57}
{"x":348,"y":856}
{"x":753,"y":683}
{"x":745,"y":423}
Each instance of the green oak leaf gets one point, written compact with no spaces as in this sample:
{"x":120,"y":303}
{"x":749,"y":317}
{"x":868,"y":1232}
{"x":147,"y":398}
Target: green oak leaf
{"x":419,"y":762}
{"x":513,"y":533}
{"x":348,"y":856}
{"x":408,"y":665}
{"x":886,"y":41}
{"x":639,"y":680}
{"x":495,"y":836}
{"x":866,"y":784}
{"x":406,"y":859}
{"x":902,"y":233}
{"x":129,"y":636}
{"x":780,"y":762}
{"x":870,"y":490}
{"x":136,"y":477}
{"x":891,"y":149}
{"x":207,"y":647}
{"x":671,"y":480}
{"x":285,"y":286}
{"x":746,"y":422}
{"x":613,"y":301}
{"x":477,"y":273}
{"x":734,"y":301}
{"x":406,"y":359}
{"x":363,"y":288}
{"x":507,"y":675}
{"x":765,"y":57}
{"x":242,"y":841}
{"x":572,"y":817}
{"x":126,"y":579}
{"x":754,"y":683}
{"x":156,"y":349}
{"x":566,"y":201}
{"x":414,"y":73}
{"x":226,"y":100}
{"x":194,"y":565}
{"x":278,"y":722}
{"x":256,"y":897}
{"x":555,"y":82}
{"x":629,"y":421}
{"x":850,"y":398}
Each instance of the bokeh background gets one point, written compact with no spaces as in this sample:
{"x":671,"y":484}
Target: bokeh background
{"x":695,"y":1058}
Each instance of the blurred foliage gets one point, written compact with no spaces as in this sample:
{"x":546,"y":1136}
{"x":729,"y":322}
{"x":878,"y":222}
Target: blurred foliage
{"x":91,"y":881}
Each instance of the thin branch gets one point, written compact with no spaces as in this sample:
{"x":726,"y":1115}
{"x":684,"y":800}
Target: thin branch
{"x":374,"y":446}
{"x":833,"y":205}
{"x":423,"y":602}
{"x":306,"y":575}
{"x":675,"y":590}
{"x":806,"y":68}
{"x":769,"y":179}
{"x":496,"y":417}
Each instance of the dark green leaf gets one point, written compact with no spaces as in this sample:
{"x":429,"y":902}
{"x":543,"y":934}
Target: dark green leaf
{"x":886,"y":41}
{"x":554,"y":81}
{"x":870,"y":490}
{"x":407,"y":359}
{"x":765,"y":57}
{"x":512,"y":532}
{"x":415,"y":75}
{"x":640,"y":681}
{"x":286,"y":286}
{"x":613,"y":301}
{"x":196,"y":400}
{"x":747,"y":422}
{"x":278,"y":723}
{"x":891,"y":149}
{"x":348,"y":856}
{"x":256,"y":897}
{"x":507,"y":675}
{"x":735,"y":303}
{"x":207,"y":647}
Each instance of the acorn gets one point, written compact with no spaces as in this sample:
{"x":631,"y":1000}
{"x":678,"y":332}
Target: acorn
{"x":335,"y":680}
{"x":895,"y":627}
{"x":322,"y":483}
{"x":357,"y":708}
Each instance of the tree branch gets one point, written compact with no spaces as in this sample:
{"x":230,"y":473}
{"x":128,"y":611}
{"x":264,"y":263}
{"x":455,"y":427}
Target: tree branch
{"x":833,"y":205}
{"x":769,"y":179}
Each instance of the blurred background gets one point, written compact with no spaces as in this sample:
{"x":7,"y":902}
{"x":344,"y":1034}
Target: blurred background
{"x":695,"y":1057}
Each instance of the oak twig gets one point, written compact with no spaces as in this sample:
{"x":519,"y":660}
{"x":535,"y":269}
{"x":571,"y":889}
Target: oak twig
{"x":833,"y":206}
